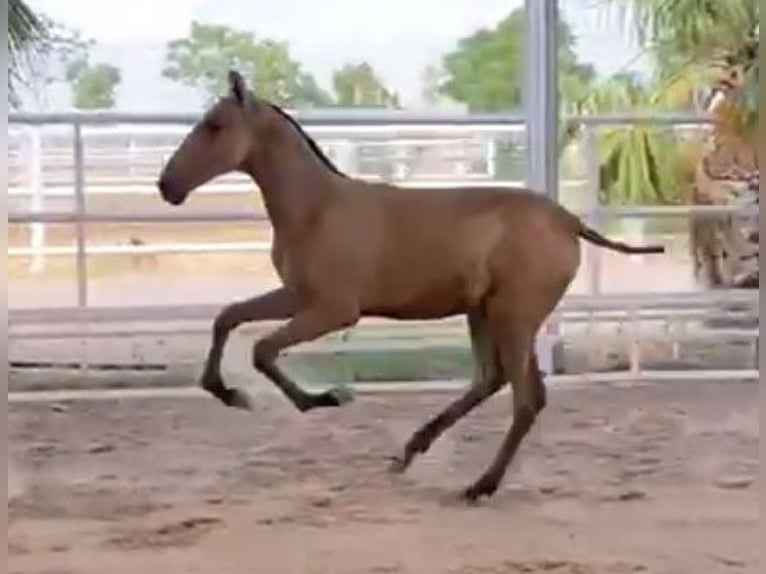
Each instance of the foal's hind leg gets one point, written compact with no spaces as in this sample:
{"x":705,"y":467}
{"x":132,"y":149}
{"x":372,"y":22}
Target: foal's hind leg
{"x":516,"y":356}
{"x":273,"y":305}
{"x":487,"y":379}
{"x":540,"y":392}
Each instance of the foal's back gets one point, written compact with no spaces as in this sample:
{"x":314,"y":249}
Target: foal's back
{"x":453,"y":218}
{"x":429,"y":253}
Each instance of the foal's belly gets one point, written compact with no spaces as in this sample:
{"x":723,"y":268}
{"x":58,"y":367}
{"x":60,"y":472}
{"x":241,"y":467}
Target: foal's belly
{"x":419,"y":298}
{"x":427,"y":279}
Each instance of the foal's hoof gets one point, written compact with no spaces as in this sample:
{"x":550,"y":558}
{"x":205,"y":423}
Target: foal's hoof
{"x":337,"y":396}
{"x":213,"y":384}
{"x":483,"y":487}
{"x":238,"y":399}
{"x":397,"y":465}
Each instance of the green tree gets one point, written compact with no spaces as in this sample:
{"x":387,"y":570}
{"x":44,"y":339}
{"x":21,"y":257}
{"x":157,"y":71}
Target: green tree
{"x":359,"y":85}
{"x":312,"y":93}
{"x":689,"y":41}
{"x":639,"y":164}
{"x":40,"y":52}
{"x":93,"y":86}
{"x":202,"y":59}
{"x":692,"y":42}
{"x":27,"y":34}
{"x":486,"y":69}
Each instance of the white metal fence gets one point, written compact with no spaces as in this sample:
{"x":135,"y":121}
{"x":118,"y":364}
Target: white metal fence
{"x":129,"y":161}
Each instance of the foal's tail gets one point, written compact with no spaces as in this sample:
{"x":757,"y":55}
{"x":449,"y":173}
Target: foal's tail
{"x":589,"y":234}
{"x":595,"y":237}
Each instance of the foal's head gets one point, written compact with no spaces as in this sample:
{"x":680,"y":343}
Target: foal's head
{"x":220,"y":142}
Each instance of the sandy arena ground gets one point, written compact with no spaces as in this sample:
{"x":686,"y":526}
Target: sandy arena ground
{"x":649,"y":479}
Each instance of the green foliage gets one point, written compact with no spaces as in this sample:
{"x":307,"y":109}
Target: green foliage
{"x":690,"y":41}
{"x":359,"y":85}
{"x":639,"y":164}
{"x":24,"y":28}
{"x":486,"y":70}
{"x":312,"y":93}
{"x":40,"y":51}
{"x":747,"y":102}
{"x":638,"y":167}
{"x":93,"y":86}
{"x":698,"y":38}
{"x":695,"y":30}
{"x":203,"y":58}
{"x":27,"y":32}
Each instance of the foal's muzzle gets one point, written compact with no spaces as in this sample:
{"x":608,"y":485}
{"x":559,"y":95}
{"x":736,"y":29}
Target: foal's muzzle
{"x":169,"y":192}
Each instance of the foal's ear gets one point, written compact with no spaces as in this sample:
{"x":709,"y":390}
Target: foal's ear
{"x":238,"y":87}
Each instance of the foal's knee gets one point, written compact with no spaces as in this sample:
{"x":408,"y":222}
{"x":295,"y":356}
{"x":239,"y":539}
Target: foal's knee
{"x":225,"y":322}
{"x":264,"y":354}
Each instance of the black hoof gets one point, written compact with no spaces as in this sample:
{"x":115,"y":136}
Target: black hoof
{"x":213,"y":384}
{"x":483,"y":487}
{"x":238,"y":399}
{"x":335,"y":397}
{"x":398,"y":465}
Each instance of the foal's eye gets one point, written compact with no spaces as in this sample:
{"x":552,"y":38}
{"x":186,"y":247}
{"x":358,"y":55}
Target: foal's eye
{"x":213,"y":127}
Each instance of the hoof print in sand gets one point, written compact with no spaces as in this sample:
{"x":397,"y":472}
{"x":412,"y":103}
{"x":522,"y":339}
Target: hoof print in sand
{"x":176,"y":534}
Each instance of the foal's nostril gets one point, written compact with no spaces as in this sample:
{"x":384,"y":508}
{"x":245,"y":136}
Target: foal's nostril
{"x":169,"y":193}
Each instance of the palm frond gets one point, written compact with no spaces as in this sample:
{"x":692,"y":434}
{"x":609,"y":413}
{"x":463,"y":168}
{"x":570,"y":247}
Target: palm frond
{"x":26,"y":32}
{"x":689,"y":25}
{"x":25,"y":28}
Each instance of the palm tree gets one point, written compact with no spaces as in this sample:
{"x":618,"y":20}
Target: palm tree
{"x":26,"y":32}
{"x":693,"y":40}
{"x":639,"y":164}
{"x":694,"y":43}
{"x":690,"y":41}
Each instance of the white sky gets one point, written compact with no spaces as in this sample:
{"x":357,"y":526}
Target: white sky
{"x":137,"y":20}
{"x":399,"y":37}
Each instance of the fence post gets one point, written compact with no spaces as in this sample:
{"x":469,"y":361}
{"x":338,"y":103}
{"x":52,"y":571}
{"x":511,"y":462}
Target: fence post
{"x":634,"y":344}
{"x":80,"y":208}
{"x":491,"y":156}
{"x":132,"y":154}
{"x":399,"y":157}
{"x":541,"y":101}
{"x":593,"y":202}
{"x":347,"y":154}
{"x":35,"y":180}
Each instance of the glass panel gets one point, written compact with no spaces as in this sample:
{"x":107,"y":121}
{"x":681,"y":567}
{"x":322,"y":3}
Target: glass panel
{"x":41,"y":266}
{"x":178,"y":263}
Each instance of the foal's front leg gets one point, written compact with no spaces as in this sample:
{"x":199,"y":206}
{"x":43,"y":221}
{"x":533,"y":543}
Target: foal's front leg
{"x":308,"y":324}
{"x":271,"y":306}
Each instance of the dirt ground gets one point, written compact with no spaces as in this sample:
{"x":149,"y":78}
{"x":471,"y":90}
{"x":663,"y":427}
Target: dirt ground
{"x":650,"y":479}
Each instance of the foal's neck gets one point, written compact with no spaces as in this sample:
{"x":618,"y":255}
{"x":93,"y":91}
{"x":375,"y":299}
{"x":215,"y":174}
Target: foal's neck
{"x":293,"y":180}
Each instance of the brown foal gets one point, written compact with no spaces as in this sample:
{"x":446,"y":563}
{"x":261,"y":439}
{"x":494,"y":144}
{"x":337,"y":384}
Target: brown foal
{"x":346,"y":249}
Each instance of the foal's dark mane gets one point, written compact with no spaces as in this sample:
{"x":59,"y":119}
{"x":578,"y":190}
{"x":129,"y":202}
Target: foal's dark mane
{"x":309,"y":140}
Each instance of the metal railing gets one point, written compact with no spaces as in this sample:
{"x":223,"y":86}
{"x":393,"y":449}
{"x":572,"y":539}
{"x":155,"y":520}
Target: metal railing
{"x":329,"y":123}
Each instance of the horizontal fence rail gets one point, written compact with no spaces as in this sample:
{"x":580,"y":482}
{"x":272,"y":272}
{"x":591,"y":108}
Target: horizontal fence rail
{"x":403,"y":129}
{"x":750,"y":211}
{"x":625,"y":303}
{"x":350,"y":117}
